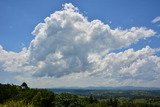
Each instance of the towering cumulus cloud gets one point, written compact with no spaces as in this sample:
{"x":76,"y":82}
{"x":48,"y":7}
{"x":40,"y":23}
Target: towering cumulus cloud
{"x":67,"y":43}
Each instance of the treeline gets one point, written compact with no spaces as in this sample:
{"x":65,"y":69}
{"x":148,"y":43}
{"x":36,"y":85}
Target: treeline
{"x":18,"y":96}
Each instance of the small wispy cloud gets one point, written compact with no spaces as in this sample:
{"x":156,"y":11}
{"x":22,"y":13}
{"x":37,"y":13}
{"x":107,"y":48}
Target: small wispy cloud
{"x":155,"y":20}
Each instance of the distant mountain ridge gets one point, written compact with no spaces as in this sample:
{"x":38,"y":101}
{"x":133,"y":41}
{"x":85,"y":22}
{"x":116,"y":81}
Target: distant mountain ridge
{"x":110,"y":92}
{"x":110,"y":88}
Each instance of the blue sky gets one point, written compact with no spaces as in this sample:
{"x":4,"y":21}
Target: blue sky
{"x":18,"y":18}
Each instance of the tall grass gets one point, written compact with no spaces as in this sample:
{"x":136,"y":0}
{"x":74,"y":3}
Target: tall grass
{"x":16,"y":104}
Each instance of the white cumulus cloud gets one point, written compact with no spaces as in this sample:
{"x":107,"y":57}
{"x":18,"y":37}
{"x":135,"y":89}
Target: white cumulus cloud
{"x":64,"y":41}
{"x":66,"y":44}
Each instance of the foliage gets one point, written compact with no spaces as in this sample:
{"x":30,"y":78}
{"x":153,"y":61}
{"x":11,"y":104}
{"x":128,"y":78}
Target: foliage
{"x":16,"y":96}
{"x":15,"y":104}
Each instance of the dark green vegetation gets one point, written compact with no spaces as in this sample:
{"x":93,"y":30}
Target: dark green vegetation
{"x":22,"y":96}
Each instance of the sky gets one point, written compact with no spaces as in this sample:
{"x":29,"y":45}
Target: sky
{"x":78,"y":43}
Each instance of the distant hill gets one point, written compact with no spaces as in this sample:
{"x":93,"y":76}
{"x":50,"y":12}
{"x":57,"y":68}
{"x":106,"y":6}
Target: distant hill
{"x":109,"y":88}
{"x":124,"y":88}
{"x":111,"y":92}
